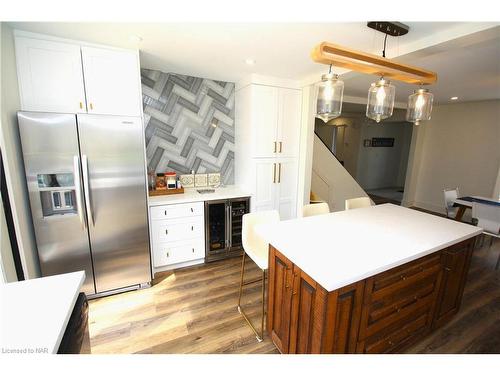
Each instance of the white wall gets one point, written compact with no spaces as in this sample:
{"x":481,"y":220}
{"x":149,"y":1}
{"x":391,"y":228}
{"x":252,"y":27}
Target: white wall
{"x":330,"y":180}
{"x":460,"y":146}
{"x":381,"y":167}
{"x":13,"y":162}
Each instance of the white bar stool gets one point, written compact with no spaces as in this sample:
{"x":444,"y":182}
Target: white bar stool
{"x":258,"y":250}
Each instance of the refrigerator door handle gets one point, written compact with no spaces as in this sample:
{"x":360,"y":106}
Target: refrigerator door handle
{"x":78,"y":190}
{"x":86,"y":184}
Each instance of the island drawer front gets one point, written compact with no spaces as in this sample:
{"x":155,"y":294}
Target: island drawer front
{"x":392,"y":281}
{"x":178,"y":252}
{"x":174,"y":211}
{"x":398,"y":338}
{"x":177,"y":230}
{"x":374,"y":321}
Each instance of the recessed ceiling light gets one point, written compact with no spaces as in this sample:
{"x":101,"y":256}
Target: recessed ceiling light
{"x":135,"y":38}
{"x":454,"y":98}
{"x":250,"y":61}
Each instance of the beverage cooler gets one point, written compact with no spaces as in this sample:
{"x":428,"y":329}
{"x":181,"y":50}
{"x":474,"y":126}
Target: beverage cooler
{"x":223,"y":221}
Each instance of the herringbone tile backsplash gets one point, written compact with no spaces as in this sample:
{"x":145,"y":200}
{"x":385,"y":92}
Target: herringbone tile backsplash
{"x":189,"y":124}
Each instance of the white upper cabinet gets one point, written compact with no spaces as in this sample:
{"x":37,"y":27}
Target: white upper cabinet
{"x":61,"y":76}
{"x":265,"y":120}
{"x":112,"y":83}
{"x":288,"y":134}
{"x":50,"y":76}
{"x":276,"y":120}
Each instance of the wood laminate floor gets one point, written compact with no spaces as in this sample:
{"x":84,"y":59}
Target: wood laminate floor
{"x":193,"y":310}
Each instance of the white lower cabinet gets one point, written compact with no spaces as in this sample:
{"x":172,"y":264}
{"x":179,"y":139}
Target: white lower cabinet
{"x":178,"y":233}
{"x":168,"y":253}
{"x":275,"y":186}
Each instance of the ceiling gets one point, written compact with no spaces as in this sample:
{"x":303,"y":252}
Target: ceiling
{"x":219,"y":50}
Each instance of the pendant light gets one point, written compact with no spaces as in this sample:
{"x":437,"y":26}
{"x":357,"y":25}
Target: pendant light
{"x":330,"y":94}
{"x":419,"y":106}
{"x":381,"y":96}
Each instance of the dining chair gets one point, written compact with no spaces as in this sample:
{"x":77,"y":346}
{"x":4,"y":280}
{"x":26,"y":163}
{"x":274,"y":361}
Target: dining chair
{"x":488,"y":218}
{"x":315,"y":209}
{"x":257,"y":250}
{"x":357,"y":203}
{"x":450,"y":195}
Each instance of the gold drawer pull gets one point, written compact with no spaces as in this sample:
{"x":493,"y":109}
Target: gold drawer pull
{"x":281,"y":144}
{"x":81,"y":105}
{"x":403,"y":277}
{"x":275,"y":147}
{"x":91,"y":106}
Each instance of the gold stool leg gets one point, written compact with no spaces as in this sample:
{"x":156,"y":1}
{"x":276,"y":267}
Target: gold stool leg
{"x":241,"y":280}
{"x":260,"y":337}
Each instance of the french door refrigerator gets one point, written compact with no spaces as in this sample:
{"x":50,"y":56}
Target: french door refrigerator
{"x":87,"y":189}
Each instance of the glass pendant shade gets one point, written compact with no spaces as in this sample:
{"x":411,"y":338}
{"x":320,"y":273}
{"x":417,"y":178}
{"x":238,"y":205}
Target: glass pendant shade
{"x":381,"y":96}
{"x":330,"y":94}
{"x":419,"y":106}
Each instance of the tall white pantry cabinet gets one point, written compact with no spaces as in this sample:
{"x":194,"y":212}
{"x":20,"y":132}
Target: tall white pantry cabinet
{"x":268,"y":122}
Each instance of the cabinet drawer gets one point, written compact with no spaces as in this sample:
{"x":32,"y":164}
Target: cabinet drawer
{"x":177,"y":230}
{"x":174,"y":211}
{"x":178,"y":252}
{"x":399,"y":337}
{"x":381,"y":319}
{"x":402,"y":277}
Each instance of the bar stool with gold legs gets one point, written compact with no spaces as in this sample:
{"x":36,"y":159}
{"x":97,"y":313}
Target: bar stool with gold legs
{"x":257,"y":250}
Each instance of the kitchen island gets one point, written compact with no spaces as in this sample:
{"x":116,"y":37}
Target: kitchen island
{"x":370,"y":280}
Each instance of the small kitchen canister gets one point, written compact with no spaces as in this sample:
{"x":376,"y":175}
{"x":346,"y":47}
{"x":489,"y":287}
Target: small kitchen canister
{"x":171,"y":179}
{"x":160,"y":181}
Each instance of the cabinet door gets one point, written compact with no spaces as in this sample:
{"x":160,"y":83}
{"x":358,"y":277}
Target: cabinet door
{"x":50,"y":76}
{"x":289,"y":119}
{"x":304,"y":309}
{"x":456,"y":261}
{"x":287,"y":180}
{"x":265,"y":185}
{"x":112,"y":81}
{"x":279,"y":299}
{"x":264,"y":120}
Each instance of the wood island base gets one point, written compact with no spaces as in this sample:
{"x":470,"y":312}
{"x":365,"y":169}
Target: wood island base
{"x":385,"y":313}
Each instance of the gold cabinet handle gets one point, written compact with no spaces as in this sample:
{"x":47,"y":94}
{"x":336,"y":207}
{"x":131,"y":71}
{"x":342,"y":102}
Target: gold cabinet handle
{"x":274,"y":173}
{"x":281,"y":146}
{"x":91,"y":106}
{"x":279,"y":173}
{"x":81,"y":105}
{"x":274,"y":146}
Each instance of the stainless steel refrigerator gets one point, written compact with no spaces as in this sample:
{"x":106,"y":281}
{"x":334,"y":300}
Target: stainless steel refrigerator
{"x":87,"y":189}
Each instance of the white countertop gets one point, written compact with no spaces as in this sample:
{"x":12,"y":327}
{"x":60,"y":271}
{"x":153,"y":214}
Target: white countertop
{"x":192,"y":195}
{"x":341,"y":248}
{"x":34,"y":313}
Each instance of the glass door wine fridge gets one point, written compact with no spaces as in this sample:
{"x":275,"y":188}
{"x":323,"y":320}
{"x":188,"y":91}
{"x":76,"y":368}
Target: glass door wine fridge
{"x":223,"y":220}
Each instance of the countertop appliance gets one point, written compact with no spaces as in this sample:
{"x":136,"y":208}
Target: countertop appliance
{"x":223,"y":221}
{"x":87,"y":187}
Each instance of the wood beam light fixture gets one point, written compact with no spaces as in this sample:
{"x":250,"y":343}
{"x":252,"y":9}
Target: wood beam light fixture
{"x":381,"y":94}
{"x":342,"y":57}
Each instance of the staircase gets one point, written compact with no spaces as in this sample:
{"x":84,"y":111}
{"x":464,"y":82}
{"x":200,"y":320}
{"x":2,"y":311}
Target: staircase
{"x":330,"y":181}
